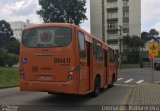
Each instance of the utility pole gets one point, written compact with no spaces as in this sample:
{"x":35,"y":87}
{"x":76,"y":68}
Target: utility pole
{"x":119,"y":41}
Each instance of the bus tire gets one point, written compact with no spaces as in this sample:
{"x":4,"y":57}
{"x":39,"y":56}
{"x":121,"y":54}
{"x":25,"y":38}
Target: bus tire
{"x":97,"y":85}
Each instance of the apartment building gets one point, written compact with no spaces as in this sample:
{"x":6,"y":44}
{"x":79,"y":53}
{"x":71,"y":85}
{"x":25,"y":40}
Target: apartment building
{"x":111,"y":19}
{"x":18,"y":26}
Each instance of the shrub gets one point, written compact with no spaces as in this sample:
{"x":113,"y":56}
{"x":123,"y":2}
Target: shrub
{"x":7,"y":59}
{"x":11,"y":59}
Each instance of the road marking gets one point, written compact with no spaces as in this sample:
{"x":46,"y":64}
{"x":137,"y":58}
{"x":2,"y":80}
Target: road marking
{"x":128,"y":80}
{"x":139,"y":82}
{"x":125,"y":85}
{"x":126,"y":97}
{"x":119,"y":79}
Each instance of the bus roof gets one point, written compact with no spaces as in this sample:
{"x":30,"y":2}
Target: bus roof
{"x":49,"y":24}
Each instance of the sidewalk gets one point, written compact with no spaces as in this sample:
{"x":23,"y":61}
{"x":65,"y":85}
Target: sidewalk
{"x":146,"y":94}
{"x":135,"y":69}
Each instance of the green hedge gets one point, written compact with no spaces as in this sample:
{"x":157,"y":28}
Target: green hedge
{"x":8,"y":77}
{"x":7,"y":59}
{"x":130,"y":58}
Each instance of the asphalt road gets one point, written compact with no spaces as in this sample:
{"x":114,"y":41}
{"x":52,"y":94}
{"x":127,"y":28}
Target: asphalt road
{"x":139,"y":74}
{"x":118,"y":95}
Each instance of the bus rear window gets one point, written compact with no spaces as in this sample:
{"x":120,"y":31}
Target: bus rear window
{"x":46,"y":37}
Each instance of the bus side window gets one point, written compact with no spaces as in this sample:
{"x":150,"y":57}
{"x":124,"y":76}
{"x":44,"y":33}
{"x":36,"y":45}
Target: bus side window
{"x":97,"y":50}
{"x":81,"y":45}
{"x":111,"y":56}
{"x":94,"y":49}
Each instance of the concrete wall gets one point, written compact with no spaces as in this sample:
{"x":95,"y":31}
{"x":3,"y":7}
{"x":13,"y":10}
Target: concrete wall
{"x":135,"y":17}
{"x":96,"y":18}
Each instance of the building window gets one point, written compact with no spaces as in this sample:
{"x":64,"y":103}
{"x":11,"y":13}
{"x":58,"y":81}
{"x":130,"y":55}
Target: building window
{"x":125,"y":25}
{"x":112,"y":26}
{"x":125,"y":2}
{"x":126,"y":14}
{"x":111,"y":56}
{"x":112,"y":15}
{"x":112,"y":5}
{"x":113,"y":36}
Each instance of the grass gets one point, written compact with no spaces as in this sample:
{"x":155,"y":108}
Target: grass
{"x":8,"y":77}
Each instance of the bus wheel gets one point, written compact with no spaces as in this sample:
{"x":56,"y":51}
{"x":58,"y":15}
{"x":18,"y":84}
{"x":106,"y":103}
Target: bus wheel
{"x":96,"y":87}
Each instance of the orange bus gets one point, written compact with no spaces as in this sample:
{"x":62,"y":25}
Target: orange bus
{"x":63,"y":58}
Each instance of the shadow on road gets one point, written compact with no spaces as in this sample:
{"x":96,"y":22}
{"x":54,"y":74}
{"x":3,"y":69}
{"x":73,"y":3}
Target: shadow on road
{"x":64,"y":99}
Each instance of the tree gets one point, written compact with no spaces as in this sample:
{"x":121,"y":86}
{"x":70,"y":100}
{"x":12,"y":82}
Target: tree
{"x":137,"y":43}
{"x":5,"y":31}
{"x":152,"y":34}
{"x":3,"y":54}
{"x":11,"y":59}
{"x":64,"y":11}
{"x":144,"y":36}
{"x":7,"y":41}
{"x":7,"y":59}
{"x":12,"y":45}
{"x":127,"y":41}
{"x":133,"y":45}
{"x":9,"y":46}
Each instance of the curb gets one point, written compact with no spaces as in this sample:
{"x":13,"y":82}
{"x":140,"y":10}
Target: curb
{"x":9,"y":87}
{"x":134,"y":69}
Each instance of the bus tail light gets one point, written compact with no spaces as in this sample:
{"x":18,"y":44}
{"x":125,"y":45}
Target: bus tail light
{"x":21,"y":72}
{"x":70,"y":73}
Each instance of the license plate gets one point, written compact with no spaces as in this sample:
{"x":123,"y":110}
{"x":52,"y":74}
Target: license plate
{"x":45,"y":78}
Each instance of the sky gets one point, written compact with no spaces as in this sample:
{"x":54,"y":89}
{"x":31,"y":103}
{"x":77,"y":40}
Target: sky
{"x":20,"y":10}
{"x":150,"y":15}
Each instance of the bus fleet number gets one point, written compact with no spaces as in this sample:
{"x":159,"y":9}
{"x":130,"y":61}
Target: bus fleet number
{"x":62,"y":60}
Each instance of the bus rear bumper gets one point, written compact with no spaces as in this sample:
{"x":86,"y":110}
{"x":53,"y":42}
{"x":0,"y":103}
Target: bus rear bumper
{"x":52,"y":87}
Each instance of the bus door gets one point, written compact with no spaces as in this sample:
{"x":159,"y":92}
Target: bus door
{"x":88,"y":48}
{"x":84,"y":56}
{"x":111,"y":64}
{"x":105,"y":66}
